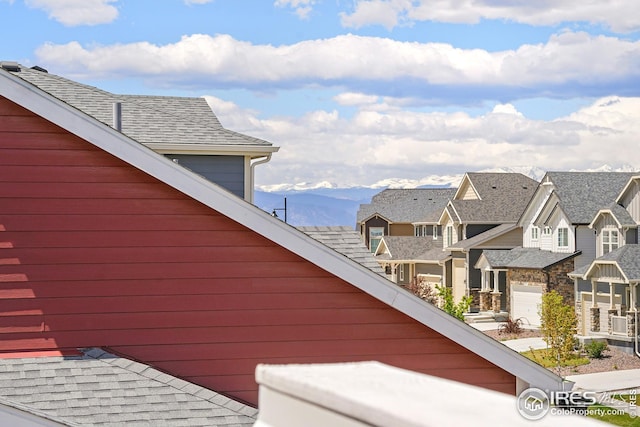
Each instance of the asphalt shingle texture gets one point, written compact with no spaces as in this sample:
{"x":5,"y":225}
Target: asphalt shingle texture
{"x":409,"y":248}
{"x":99,"y":388}
{"x":520,"y":257}
{"x":408,"y":205}
{"x":583,"y":194}
{"x":146,"y":119}
{"x":503,"y":198}
{"x":346,"y":241}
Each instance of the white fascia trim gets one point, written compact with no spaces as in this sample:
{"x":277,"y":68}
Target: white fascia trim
{"x":213,"y":149}
{"x":462,"y":181}
{"x":289,"y":237}
{"x":597,"y":263}
{"x":603,"y":212}
{"x":626,"y":187}
{"x":377,"y":215}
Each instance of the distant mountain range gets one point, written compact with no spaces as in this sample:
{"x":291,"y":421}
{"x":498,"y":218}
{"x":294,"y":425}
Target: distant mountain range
{"x":325,"y":204}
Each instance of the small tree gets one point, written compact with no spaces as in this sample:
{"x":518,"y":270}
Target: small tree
{"x":456,"y":310}
{"x":558,"y":326}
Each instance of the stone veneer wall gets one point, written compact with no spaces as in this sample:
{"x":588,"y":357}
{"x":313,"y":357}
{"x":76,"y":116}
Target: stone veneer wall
{"x":556,"y":278}
{"x":561,"y":282}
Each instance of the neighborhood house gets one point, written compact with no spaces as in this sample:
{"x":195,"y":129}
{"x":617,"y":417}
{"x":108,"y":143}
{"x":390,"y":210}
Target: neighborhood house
{"x":109,"y":244}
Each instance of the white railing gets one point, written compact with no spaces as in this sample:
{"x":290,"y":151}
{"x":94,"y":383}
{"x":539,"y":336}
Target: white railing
{"x":619,"y":325}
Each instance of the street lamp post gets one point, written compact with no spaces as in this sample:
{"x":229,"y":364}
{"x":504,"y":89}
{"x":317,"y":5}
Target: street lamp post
{"x":275,"y":215}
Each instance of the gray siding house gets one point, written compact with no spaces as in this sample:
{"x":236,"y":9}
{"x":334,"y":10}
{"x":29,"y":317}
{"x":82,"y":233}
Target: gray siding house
{"x":482,"y":215}
{"x":557,"y":238}
{"x":182,"y":128}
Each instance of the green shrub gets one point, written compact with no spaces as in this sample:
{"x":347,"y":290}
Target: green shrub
{"x":595,"y":349}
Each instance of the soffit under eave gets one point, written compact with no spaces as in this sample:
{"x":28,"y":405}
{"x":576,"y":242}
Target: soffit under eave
{"x":377,"y":215}
{"x":252,"y":151}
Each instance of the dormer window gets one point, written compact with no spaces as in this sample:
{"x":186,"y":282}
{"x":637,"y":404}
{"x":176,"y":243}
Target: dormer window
{"x":449,"y":235}
{"x":610,"y":241}
{"x":535,"y":231}
{"x":563,"y":237}
{"x":375,"y":236}
{"x":435,"y":232}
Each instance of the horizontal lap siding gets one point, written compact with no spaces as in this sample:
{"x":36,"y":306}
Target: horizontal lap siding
{"x":94,"y":252}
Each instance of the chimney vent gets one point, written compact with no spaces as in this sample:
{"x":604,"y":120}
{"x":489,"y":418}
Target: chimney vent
{"x":10,"y":66}
{"x":117,"y":116}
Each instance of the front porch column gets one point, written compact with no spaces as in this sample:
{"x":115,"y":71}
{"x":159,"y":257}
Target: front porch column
{"x":595,"y":319}
{"x":594,"y":311}
{"x":485,"y":300}
{"x":495,"y":301}
{"x":496,"y":281}
{"x":612,"y":291}
{"x":631,"y":314}
{"x":610,"y":313}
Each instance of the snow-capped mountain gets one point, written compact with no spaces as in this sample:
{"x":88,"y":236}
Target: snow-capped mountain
{"x":326,"y":203}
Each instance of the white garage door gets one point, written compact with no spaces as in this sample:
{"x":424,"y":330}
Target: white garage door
{"x":525,"y":303}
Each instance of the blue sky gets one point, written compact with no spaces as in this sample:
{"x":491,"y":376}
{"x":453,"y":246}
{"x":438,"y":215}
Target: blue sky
{"x":360,"y":91}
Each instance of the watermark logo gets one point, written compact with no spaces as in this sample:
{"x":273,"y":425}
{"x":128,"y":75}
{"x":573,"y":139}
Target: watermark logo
{"x":533,"y":404}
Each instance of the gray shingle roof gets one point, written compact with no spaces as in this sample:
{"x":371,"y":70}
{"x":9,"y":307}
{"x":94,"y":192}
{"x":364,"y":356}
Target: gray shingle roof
{"x":147,"y":119}
{"x":407,"y":248}
{"x":520,"y":257}
{"x":583,"y":194}
{"x":504,"y":196}
{"x":621,"y":215}
{"x":99,"y":388}
{"x":478,"y":239}
{"x":346,"y":241}
{"x":408,"y":205}
{"x":628,"y":259}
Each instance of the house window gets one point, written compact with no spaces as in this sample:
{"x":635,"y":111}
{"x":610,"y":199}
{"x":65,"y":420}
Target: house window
{"x":547,"y":230}
{"x":375,"y":236}
{"x":563,"y":237}
{"x":419,"y":231}
{"x":610,"y":241}
{"x":435,"y":232}
{"x":449,"y":232}
{"x":534,"y":233}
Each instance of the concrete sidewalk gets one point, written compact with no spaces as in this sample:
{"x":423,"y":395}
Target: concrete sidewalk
{"x":607,"y":381}
{"x":519,"y":344}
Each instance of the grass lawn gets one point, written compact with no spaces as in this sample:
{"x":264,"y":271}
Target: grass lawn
{"x":627,"y":398}
{"x":543,"y":358}
{"x":617,"y":420}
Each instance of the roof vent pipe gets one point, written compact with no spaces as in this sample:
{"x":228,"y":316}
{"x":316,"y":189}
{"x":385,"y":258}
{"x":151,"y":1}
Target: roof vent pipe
{"x":117,"y":116}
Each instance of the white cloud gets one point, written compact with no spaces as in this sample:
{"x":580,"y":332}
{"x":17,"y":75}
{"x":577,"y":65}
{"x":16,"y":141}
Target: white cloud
{"x":77,"y":12}
{"x":323,"y":146}
{"x":302,"y":8}
{"x":351,"y":98}
{"x":190,"y":2}
{"x":619,"y":15}
{"x":354,"y":62}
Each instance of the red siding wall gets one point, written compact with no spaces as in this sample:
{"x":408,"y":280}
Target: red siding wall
{"x":94,"y":252}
